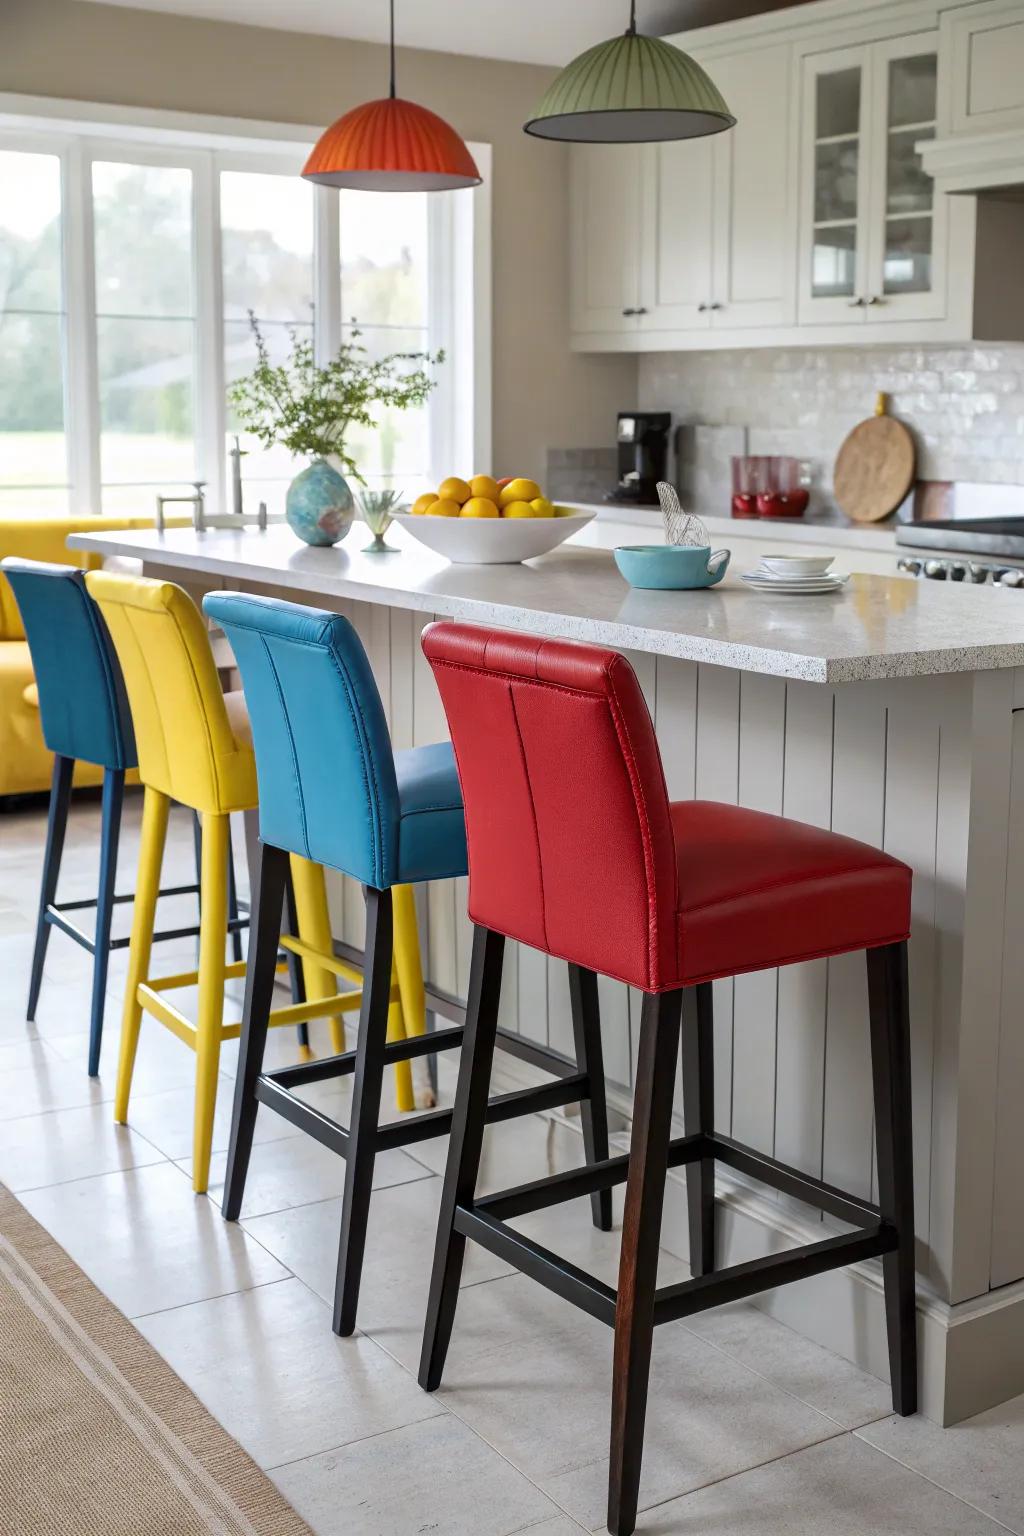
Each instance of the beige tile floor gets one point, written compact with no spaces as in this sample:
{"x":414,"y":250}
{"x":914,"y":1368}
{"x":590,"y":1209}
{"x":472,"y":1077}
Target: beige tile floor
{"x":752,"y":1429}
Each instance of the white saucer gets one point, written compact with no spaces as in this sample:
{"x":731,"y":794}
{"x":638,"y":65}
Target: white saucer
{"x":810,"y":586}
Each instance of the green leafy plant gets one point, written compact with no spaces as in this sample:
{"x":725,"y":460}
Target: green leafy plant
{"x":308,"y":407}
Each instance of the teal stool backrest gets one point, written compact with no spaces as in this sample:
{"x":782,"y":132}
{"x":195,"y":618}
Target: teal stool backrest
{"x":82,"y":701}
{"x":326,"y":770}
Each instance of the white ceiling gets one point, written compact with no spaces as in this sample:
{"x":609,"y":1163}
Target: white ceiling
{"x":532,"y":31}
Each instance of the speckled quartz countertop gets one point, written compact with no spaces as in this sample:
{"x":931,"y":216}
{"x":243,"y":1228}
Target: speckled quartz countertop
{"x":877,"y":627}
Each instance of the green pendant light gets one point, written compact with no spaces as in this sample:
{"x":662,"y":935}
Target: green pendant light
{"x":630,"y":90}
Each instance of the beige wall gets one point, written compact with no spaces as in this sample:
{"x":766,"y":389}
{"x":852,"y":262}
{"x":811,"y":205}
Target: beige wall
{"x":543,"y":396}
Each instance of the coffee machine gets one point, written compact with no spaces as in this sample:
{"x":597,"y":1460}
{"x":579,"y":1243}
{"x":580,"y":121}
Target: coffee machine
{"x":643,"y":456}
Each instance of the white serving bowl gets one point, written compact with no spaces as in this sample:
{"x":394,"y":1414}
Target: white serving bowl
{"x":797,"y":565}
{"x":492,"y":540}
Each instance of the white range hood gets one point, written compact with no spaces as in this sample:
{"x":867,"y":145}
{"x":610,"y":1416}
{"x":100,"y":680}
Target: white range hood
{"x":976,"y":162}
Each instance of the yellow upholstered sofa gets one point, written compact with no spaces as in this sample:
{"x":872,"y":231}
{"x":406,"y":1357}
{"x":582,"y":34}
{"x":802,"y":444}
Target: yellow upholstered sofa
{"x":25,"y":764}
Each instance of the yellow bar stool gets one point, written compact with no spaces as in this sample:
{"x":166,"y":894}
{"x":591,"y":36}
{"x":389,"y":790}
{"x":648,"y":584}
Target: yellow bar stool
{"x":193,"y":747}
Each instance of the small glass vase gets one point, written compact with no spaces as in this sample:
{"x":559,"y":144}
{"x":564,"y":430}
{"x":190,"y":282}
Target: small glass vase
{"x":376,"y":509}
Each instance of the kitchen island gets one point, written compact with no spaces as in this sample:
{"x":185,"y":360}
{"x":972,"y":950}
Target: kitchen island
{"x":889,"y":712}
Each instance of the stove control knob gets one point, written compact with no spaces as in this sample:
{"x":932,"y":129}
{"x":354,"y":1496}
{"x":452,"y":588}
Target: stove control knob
{"x":979,"y":573}
{"x":1012,"y":579}
{"x":935,"y":570}
{"x":957,"y":571}
{"x":908,"y":566}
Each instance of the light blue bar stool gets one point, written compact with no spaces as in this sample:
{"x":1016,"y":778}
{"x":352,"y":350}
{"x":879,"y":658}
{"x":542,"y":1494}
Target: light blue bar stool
{"x":332,"y":789}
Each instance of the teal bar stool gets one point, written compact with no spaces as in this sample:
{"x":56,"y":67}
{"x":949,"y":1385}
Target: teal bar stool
{"x":332,"y":790}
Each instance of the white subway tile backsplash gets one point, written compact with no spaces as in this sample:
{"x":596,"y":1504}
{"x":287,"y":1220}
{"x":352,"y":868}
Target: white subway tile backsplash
{"x":964,"y":404}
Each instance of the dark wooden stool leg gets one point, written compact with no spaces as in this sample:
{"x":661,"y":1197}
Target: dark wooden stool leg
{"x":698,"y":1056}
{"x":296,"y":979}
{"x":366,"y":1090}
{"x":251,"y":824}
{"x":236,"y":936}
{"x":638,"y":1266}
{"x":56,"y":826}
{"x":888,"y":995}
{"x":586,"y":1028}
{"x":464,"y":1149}
{"x":267,"y":877}
{"x":113,"y":801}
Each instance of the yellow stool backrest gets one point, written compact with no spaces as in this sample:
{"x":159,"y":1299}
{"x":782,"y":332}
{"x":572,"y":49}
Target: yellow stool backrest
{"x":186,"y":746}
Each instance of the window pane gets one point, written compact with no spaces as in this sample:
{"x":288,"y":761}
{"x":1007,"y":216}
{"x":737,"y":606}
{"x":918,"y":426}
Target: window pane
{"x":259,"y":464}
{"x":32,"y":449}
{"x":912,"y":90}
{"x":834,"y":262}
{"x":143,"y":220}
{"x":381,"y":341}
{"x":384,"y":258}
{"x":146,"y":394}
{"x":908,"y":255}
{"x":396,"y":451}
{"x":30,"y":255}
{"x":838,"y":105}
{"x":267,"y":242}
{"x":18,"y":503}
{"x":145,"y":332}
{"x":835,"y":181}
{"x":140,"y":500}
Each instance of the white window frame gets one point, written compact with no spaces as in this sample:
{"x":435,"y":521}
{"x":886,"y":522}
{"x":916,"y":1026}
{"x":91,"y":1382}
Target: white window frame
{"x":459,"y":243}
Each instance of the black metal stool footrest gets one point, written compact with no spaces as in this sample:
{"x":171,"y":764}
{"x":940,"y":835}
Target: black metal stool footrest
{"x":316,"y":1124}
{"x":485,"y":1222}
{"x":344,"y":1064}
{"x":274,"y":1090}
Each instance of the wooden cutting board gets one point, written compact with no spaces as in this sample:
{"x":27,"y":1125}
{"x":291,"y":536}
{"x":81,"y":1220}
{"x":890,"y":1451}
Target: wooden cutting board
{"x":874,"y":467}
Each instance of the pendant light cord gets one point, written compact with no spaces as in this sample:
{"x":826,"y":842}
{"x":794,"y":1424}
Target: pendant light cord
{"x":392,"y":8}
{"x":631,"y":29}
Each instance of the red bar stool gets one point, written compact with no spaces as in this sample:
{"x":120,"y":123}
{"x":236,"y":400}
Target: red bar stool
{"x":575,"y":849}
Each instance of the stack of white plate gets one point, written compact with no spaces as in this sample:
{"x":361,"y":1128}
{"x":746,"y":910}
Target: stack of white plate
{"x":795,"y":574}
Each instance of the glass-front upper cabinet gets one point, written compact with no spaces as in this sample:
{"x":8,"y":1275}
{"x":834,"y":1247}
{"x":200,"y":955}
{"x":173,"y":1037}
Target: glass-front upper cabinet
{"x":905,"y":275}
{"x":837,"y":164}
{"x":834,"y":170}
{"x":870,"y":241}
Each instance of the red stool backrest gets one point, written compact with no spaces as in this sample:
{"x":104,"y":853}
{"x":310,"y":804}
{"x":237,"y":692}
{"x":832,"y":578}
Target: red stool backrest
{"x":567,"y":817}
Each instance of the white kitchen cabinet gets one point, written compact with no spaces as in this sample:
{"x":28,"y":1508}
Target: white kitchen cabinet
{"x":984,"y":75}
{"x":812,"y":221}
{"x":754,"y":240}
{"x":873,"y":237}
{"x":605,"y":218}
{"x":696,"y":235}
{"x":675,"y":238}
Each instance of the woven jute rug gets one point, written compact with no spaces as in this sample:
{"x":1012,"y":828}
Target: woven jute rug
{"x":98,"y":1436}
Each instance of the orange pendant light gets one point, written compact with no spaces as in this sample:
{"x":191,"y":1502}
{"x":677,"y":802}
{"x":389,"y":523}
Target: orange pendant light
{"x":392,"y":145}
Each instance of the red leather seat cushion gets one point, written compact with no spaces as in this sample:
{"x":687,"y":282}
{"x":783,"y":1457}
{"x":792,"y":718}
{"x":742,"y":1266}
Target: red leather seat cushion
{"x":758,"y":891}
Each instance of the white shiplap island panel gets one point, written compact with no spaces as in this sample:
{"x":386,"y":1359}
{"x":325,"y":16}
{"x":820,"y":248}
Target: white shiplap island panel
{"x":886,"y":713}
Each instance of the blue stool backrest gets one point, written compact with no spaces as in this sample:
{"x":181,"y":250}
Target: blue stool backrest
{"x":324,"y":762}
{"x":82,"y":700}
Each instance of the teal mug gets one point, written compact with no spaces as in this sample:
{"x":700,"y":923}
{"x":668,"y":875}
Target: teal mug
{"x":676,"y":567}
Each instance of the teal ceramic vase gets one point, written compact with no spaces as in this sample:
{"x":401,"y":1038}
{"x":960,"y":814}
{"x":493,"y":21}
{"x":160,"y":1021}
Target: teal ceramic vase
{"x":319,"y":508}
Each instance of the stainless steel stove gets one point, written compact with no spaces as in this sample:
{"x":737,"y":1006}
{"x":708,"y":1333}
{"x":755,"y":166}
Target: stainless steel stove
{"x":973,"y":572}
{"x":968,"y":537}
